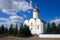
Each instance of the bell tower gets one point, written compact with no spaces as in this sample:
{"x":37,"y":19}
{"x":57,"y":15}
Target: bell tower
{"x":35,"y":12}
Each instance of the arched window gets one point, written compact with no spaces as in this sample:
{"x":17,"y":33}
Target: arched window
{"x":37,"y":27}
{"x":31,"y":28}
{"x":31,"y":23}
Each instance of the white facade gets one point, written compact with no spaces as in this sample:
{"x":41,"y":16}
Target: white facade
{"x":35,"y":24}
{"x":35,"y":15}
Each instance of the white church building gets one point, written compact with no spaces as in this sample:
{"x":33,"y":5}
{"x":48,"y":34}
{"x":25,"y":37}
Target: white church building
{"x":36,"y":25}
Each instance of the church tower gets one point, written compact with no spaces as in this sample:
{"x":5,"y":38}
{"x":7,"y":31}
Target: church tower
{"x":36,"y":25}
{"x":35,"y":12}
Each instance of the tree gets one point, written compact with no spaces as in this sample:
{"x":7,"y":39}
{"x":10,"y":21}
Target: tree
{"x":53,"y":28}
{"x":2,"y":29}
{"x":20,"y":31}
{"x":6,"y":30}
{"x":27,"y":30}
{"x":15,"y":30}
{"x":24,"y":31}
{"x":48,"y":30}
{"x":11,"y":29}
{"x":58,"y":29}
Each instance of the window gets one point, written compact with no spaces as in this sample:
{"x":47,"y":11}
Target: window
{"x":37,"y":27}
{"x":31,"y":28}
{"x":31,"y":23}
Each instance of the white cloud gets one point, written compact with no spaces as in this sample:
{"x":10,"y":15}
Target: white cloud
{"x":9,"y":12}
{"x":29,"y":11}
{"x":6,"y":7}
{"x":22,"y":5}
{"x":5,"y":4}
{"x":11,"y":7}
{"x":24,"y":15}
{"x":57,"y":21}
{"x":16,"y":19}
{"x":5,"y":21}
{"x":12,"y":20}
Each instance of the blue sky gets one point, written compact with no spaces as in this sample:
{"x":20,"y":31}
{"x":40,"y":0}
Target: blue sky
{"x":49,"y":9}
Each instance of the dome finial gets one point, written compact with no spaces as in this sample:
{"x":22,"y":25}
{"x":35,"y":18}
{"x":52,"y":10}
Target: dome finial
{"x":36,"y":9}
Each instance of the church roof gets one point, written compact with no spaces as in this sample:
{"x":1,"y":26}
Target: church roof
{"x":36,"y":9}
{"x":40,"y":19}
{"x":43,"y":21}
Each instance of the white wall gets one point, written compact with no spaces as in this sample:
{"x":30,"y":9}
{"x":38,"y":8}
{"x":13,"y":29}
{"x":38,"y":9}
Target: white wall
{"x":35,"y":14}
{"x":37,"y":27}
{"x":35,"y":24}
{"x":26,"y":22}
{"x":32,"y":26}
{"x":49,"y":35}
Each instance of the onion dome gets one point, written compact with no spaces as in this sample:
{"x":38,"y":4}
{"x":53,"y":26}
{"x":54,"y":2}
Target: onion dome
{"x":36,"y":10}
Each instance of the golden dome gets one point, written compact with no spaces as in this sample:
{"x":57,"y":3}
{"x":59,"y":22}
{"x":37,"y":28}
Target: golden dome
{"x":36,"y":10}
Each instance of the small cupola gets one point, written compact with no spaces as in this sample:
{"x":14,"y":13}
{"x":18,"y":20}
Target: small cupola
{"x":35,"y":9}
